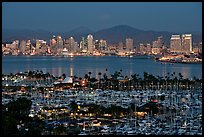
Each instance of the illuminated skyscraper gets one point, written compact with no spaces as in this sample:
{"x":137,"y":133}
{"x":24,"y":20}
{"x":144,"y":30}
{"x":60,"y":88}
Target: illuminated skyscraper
{"x":120,"y":46}
{"x":102,"y":45}
{"x":28,"y":46}
{"x":187,"y":43}
{"x":160,"y":42}
{"x":90,"y":43}
{"x":59,"y":40}
{"x":38,"y":44}
{"x":83,"y":45}
{"x":23,"y":46}
{"x":70,"y":45}
{"x":175,"y":43}
{"x":129,"y":44}
{"x":53,"y":41}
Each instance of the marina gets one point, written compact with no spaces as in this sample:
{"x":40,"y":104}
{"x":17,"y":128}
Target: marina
{"x":92,"y":111}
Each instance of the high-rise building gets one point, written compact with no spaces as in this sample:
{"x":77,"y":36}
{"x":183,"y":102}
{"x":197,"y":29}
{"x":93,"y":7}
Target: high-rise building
{"x":149,"y":48}
{"x":59,"y":40}
{"x":96,"y":43}
{"x":102,"y":45}
{"x":129,"y":44}
{"x":23,"y":46}
{"x":200,"y":47}
{"x":53,"y":41}
{"x":70,"y":45}
{"x":187,"y":43}
{"x":160,"y":42}
{"x":90,"y":43}
{"x":142,"y":48}
{"x":84,"y":45}
{"x":175,"y":43}
{"x":15,"y":44}
{"x":28,"y":46}
{"x":120,"y":46}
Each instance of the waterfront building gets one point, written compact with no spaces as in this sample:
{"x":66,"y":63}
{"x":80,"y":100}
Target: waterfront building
{"x":155,"y":48}
{"x":121,"y":49}
{"x":175,"y":43}
{"x":59,"y":40}
{"x":84,"y":45}
{"x":90,"y":43}
{"x":149,"y":48}
{"x":102,"y":45}
{"x":187,"y":43}
{"x":3,"y":47}
{"x":28,"y":47}
{"x":65,"y":52}
{"x":197,"y":48}
{"x":70,"y":45}
{"x":120,"y":46}
{"x":157,"y":45}
{"x":142,"y":48}
{"x":44,"y":48}
{"x":200,"y":47}
{"x":40,"y":46}
{"x":53,"y":41}
{"x":96,"y":43}
{"x":160,"y":42}
{"x":15,"y":44}
{"x":22,"y":46}
{"x":39,"y":43}
{"x":129,"y":44}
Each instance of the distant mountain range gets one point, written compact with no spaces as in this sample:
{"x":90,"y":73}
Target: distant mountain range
{"x":112,"y":35}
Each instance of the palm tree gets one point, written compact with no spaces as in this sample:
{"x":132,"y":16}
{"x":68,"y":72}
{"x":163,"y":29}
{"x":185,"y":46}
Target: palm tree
{"x":86,"y":76}
{"x":89,"y":74}
{"x":146,"y":79}
{"x":99,"y":79}
{"x":64,"y":76}
{"x":89,"y":79}
{"x":180,"y":79}
{"x":106,"y":70}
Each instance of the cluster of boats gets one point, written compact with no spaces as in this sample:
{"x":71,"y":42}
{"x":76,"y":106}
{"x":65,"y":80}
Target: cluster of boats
{"x":186,"y":120}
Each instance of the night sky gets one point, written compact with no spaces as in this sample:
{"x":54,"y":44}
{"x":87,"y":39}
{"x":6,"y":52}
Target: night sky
{"x":61,"y":17}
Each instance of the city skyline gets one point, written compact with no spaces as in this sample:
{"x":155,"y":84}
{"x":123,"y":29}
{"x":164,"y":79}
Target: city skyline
{"x":100,"y":15}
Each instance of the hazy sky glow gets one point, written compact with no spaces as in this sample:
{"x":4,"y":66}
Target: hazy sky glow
{"x":53,"y":16}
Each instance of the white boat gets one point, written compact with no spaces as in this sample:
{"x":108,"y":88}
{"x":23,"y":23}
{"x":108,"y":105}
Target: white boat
{"x":82,"y":133}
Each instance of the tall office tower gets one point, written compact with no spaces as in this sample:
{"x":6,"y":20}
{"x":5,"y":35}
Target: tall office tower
{"x":83,"y":45}
{"x":149,"y":48}
{"x":175,"y":43}
{"x":155,"y":48}
{"x":120,"y":46}
{"x":160,"y":42}
{"x":38,"y":43}
{"x":70,"y":45}
{"x":200,"y":47}
{"x":53,"y":41}
{"x":90,"y":43}
{"x":96,"y":43}
{"x":187,"y":43}
{"x":28,"y":46}
{"x":103,"y":45}
{"x":59,"y":40}
{"x":15,"y":44}
{"x":23,"y":46}
{"x":142,"y":48}
{"x":129,"y":44}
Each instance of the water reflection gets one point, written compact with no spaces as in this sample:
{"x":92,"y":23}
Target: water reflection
{"x":71,"y":70}
{"x":80,"y":66}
